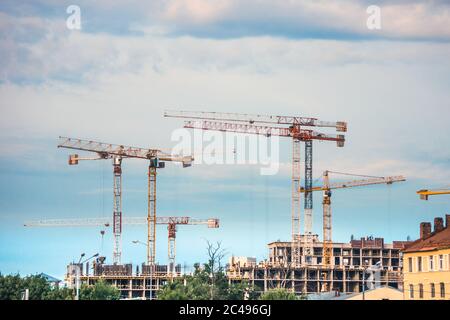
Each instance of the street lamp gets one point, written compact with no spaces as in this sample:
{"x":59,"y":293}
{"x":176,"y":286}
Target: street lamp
{"x":139,"y":242}
{"x":78,"y":273}
{"x":364,"y":279}
{"x":81,"y":257}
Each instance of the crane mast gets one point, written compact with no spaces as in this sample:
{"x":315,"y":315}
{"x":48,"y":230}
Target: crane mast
{"x":283,"y":126}
{"x":295,"y":207}
{"x":151,"y":216}
{"x":326,"y":203}
{"x":308,"y":201}
{"x":117,"y":210}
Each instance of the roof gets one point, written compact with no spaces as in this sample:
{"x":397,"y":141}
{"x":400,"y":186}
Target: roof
{"x":378,"y":293}
{"x":437,"y":240}
{"x":49,"y":278}
{"x":349,"y":296}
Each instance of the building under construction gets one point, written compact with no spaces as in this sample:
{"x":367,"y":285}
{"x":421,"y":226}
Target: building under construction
{"x":368,"y":260}
{"x":140,"y":284}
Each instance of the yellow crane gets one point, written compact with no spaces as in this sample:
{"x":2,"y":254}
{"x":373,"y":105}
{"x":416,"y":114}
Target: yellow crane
{"x":424,"y":193}
{"x":327,"y":187}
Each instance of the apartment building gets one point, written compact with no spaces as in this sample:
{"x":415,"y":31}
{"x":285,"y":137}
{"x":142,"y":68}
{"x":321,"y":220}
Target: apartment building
{"x":426,"y":272}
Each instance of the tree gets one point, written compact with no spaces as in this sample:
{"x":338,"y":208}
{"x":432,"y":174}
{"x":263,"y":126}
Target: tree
{"x":99,"y":291}
{"x":191,"y":287}
{"x":11,"y":287}
{"x":60,"y":294}
{"x":175,"y":290}
{"x":38,"y":287}
{"x":278,"y":294}
{"x":207,"y":282}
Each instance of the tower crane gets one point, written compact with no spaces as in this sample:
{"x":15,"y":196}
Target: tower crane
{"x":424,"y":193}
{"x":283,"y":126}
{"x":117,"y":153}
{"x":327,"y":187}
{"x":171,"y":222}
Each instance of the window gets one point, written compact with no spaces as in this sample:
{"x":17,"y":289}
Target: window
{"x":441,"y":262}
{"x":419,"y":264}
{"x":432,"y":290}
{"x":411,"y":291}
{"x":431,"y":263}
{"x":420,"y":291}
{"x":442,"y":285}
{"x":410,"y":265}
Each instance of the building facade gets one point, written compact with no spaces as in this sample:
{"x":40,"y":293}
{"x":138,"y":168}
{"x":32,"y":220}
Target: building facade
{"x":426,"y":272}
{"x":140,"y":284}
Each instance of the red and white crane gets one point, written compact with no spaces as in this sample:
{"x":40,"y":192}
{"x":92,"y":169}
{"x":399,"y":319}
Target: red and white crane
{"x":283,"y":126}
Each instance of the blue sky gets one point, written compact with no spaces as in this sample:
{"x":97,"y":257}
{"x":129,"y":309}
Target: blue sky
{"x":111,"y":81}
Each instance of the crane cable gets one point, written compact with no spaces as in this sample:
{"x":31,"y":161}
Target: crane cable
{"x":353,"y":174}
{"x":389,"y":209}
{"x":102,"y":232}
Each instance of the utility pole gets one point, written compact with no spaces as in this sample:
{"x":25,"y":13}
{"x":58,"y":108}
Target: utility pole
{"x":364,"y":284}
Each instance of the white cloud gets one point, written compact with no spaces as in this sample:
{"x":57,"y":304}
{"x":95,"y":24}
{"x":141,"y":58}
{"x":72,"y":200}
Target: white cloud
{"x":405,"y":19}
{"x":122,"y":85}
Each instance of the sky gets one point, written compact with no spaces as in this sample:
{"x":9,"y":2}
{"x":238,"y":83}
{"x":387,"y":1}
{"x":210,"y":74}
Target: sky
{"x":112,"y":79}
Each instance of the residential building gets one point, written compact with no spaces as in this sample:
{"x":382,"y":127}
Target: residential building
{"x":427,"y":263}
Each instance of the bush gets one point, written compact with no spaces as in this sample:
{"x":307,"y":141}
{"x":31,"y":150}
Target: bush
{"x":278,"y":294}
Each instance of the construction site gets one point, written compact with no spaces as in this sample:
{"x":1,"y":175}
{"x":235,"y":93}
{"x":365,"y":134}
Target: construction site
{"x":305,"y":264}
{"x":368,"y":261}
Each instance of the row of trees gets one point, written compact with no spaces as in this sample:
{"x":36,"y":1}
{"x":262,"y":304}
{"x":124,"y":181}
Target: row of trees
{"x":199,"y":286}
{"x":12,"y":287}
{"x":208,"y":282}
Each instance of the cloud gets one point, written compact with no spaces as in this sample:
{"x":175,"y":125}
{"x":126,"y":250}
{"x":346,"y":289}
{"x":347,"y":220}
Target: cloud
{"x":305,"y":19}
{"x":109,"y":87}
{"x":296,"y":19}
{"x":37,"y":49}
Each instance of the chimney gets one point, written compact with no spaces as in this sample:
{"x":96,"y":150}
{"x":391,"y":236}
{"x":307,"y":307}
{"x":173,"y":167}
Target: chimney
{"x":447,"y":220}
{"x":438,"y":224}
{"x":425,"y":230}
